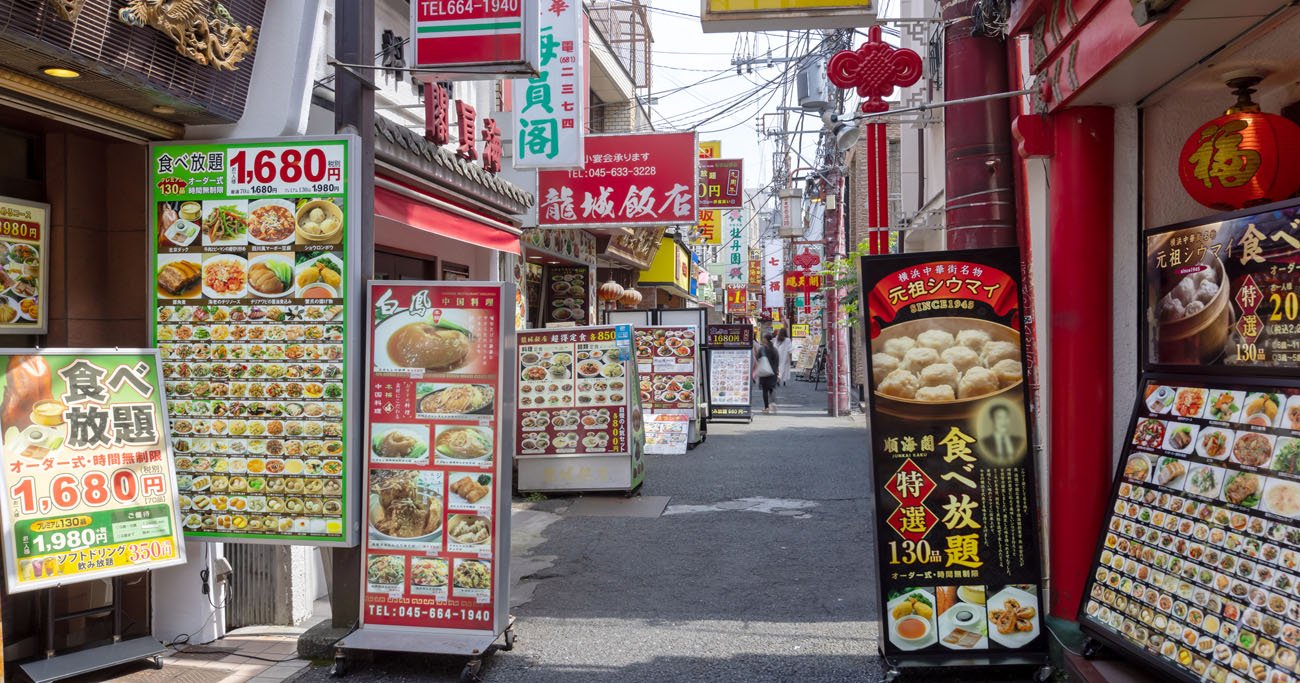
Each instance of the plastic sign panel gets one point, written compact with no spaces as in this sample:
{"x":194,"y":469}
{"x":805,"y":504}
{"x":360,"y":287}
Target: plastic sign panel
{"x":550,"y":108}
{"x":671,"y":266}
{"x":252,"y":289}
{"x":667,"y":434}
{"x":774,"y":273}
{"x":88,"y":477}
{"x":737,"y":300}
{"x":952,"y":460}
{"x":721,"y":183}
{"x":710,"y":149}
{"x":709,"y":228}
{"x":628,"y":179}
{"x":667,"y":365}
{"x":730,"y":16}
{"x":476,"y":37}
{"x":24,"y":263}
{"x":438,"y":453}
{"x":735,"y":246}
{"x":731,"y":357}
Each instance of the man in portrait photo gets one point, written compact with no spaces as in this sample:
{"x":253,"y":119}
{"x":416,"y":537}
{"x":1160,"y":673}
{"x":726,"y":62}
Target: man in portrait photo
{"x":1005,"y":444}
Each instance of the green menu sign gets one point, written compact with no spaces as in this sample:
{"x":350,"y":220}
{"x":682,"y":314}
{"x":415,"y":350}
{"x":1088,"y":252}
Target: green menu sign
{"x":252,"y":288}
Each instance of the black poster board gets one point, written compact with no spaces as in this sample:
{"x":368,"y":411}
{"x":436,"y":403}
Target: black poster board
{"x":952,"y":460}
{"x":1198,"y":566}
{"x":731,"y":356}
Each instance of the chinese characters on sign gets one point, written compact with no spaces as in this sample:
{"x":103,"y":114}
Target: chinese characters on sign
{"x":251,"y":293}
{"x":627,"y":179}
{"x":1224,"y":292}
{"x":585,"y":412}
{"x":730,"y":349}
{"x":959,"y":556}
{"x":709,"y":230}
{"x":721,"y":184}
{"x":774,"y":273}
{"x":1241,"y":159}
{"x":87,"y":468}
{"x":437,"y":469}
{"x":23,"y":240}
{"x":735,"y":246}
{"x":550,"y":108}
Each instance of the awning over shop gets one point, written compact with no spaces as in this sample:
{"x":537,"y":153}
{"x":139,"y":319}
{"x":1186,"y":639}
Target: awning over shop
{"x":428,"y":213}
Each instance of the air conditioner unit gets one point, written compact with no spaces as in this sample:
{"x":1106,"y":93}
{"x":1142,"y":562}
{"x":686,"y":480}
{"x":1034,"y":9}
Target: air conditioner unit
{"x":812,"y":86}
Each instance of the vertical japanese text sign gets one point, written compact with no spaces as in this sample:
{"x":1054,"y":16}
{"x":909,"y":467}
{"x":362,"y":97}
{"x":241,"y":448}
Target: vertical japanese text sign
{"x":550,"y":108}
{"x":496,"y":37}
{"x":87,"y":467}
{"x":627,"y":180}
{"x":735,"y":236}
{"x":774,"y":273}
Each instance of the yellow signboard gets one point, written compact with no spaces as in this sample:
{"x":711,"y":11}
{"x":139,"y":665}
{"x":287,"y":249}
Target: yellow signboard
{"x":717,"y":16}
{"x":670,"y":267}
{"x":709,"y":225}
{"x":761,"y":5}
{"x":710,"y":149}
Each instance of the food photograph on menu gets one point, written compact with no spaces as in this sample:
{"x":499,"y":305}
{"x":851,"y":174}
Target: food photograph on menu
{"x":251,"y":320}
{"x":956,"y":504}
{"x":666,"y":358}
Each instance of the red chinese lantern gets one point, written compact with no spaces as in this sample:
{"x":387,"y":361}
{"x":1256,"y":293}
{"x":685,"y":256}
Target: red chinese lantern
{"x":1243,"y":158}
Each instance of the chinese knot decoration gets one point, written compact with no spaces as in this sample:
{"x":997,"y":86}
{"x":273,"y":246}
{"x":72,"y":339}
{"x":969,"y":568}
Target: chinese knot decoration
{"x":875,"y":69}
{"x":1240,"y":160}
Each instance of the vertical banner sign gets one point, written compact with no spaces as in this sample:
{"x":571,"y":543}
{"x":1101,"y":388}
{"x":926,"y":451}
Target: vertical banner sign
{"x":24,"y":262}
{"x":731,"y":355}
{"x":709,"y":228}
{"x":251,"y":251}
{"x":628,"y":179}
{"x":438,"y":456}
{"x":721,"y":183}
{"x":774,"y":273}
{"x":952,"y":458}
{"x":736,"y":242}
{"x":737,"y":300}
{"x":90,"y":488}
{"x":550,"y":108}
{"x":489,"y":38}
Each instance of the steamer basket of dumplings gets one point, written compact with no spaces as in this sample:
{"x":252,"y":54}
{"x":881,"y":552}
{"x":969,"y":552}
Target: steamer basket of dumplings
{"x":1193,"y":316}
{"x":943,"y":367}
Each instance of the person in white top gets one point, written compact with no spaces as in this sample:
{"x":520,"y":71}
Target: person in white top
{"x":784,"y":348}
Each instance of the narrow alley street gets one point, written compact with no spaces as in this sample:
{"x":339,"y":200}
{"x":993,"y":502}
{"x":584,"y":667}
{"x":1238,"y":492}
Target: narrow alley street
{"x":757,"y":570}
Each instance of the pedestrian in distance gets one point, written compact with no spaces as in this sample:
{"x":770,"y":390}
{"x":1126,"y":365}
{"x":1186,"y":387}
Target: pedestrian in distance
{"x":784,"y":348}
{"x":767,"y":360}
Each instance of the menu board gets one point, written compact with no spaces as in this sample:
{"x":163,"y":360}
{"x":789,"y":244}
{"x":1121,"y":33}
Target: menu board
{"x":731,"y":357}
{"x":573,"y":391}
{"x":250,"y":288}
{"x":568,"y":294}
{"x":1222,"y":291}
{"x":952,"y":459}
{"x":1198,"y":571}
{"x":666,"y":366}
{"x":667,"y":434}
{"x":437,"y":475}
{"x":24,"y":236}
{"x":87,"y":468}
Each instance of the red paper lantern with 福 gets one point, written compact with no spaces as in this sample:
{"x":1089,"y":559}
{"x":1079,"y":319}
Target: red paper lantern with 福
{"x":1242,"y":159}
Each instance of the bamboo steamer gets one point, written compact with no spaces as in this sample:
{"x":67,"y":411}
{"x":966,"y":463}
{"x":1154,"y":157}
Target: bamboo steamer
{"x":1200,"y":337}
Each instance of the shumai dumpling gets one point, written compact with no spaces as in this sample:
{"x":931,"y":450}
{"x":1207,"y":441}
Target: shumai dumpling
{"x":973,"y":339}
{"x":943,"y":392}
{"x":940,"y":374}
{"x":1008,"y":371}
{"x":899,"y":384}
{"x":935,"y":339}
{"x":918,"y":358}
{"x":995,"y":351}
{"x":881,"y":365}
{"x":960,"y":357}
{"x":899,"y":346}
{"x":977,"y":382}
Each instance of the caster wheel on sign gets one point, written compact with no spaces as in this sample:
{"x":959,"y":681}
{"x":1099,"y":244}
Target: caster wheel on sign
{"x":470,"y":673}
{"x":509,"y":640}
{"x":339,"y":669}
{"x":157,"y":663}
{"x":1044,"y":674}
{"x":893,"y":675}
{"x":1091,"y":649}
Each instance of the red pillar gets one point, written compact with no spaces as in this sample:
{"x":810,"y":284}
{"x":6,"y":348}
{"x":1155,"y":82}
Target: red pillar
{"x":1079,"y":312}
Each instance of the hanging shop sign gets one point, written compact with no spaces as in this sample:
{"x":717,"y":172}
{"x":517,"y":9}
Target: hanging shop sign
{"x":667,"y":365}
{"x":731,"y":355}
{"x":1195,"y":572}
{"x":736,"y":233}
{"x":755,"y":276}
{"x":252,"y":250}
{"x":671,"y":266}
{"x":636,"y":250}
{"x":627,"y":180}
{"x":1240,"y":160}
{"x":569,"y":295}
{"x":438,"y":452}
{"x":487,"y":39}
{"x":1221,"y":292}
{"x":774,"y":273}
{"x":720,"y":185}
{"x":88,"y":476}
{"x":728,"y":16}
{"x":737,"y":300}
{"x":710,"y":149}
{"x":958,"y":555}
{"x":551,"y":106}
{"x":24,"y":259}
{"x":708,"y":230}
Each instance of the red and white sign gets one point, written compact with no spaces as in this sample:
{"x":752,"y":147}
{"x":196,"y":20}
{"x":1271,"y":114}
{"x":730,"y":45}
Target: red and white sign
{"x":646,"y":179}
{"x":720,"y":183}
{"x":489,"y":37}
{"x":774,"y":273}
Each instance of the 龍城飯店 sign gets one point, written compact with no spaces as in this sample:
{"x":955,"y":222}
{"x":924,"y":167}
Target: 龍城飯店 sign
{"x":644,"y":179}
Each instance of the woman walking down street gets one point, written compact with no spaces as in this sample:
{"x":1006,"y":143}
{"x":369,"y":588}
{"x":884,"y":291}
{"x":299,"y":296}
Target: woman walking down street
{"x":767,"y":376}
{"x":784,"y":347}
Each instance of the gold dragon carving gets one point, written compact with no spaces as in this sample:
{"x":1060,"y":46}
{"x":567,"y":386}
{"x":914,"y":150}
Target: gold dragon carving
{"x":203,"y":30}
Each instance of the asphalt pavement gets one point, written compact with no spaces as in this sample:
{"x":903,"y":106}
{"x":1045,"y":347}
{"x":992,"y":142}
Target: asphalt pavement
{"x":759,"y":569}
